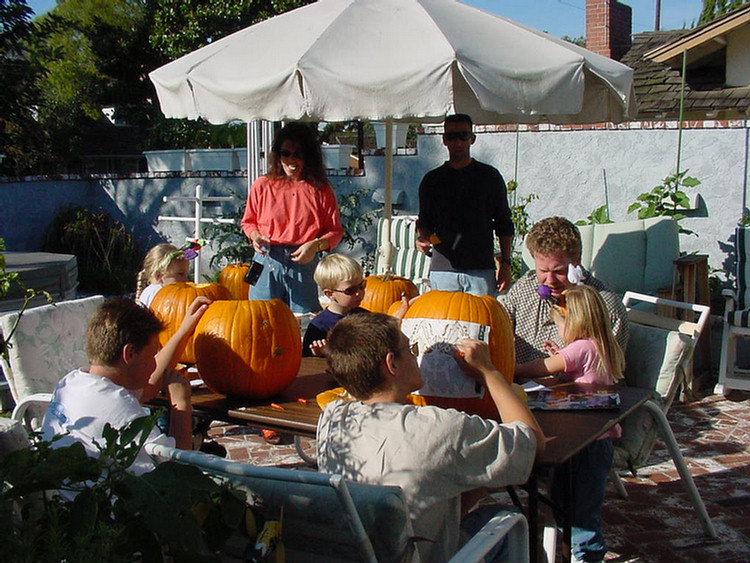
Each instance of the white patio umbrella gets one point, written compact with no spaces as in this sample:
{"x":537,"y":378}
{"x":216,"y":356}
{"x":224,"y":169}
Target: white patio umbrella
{"x":385,"y":60}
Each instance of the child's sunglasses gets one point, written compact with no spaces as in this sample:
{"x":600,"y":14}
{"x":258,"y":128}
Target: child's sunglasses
{"x":353,"y":290}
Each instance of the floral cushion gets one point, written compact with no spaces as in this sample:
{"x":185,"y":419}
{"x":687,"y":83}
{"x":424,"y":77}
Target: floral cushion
{"x":49,"y":342}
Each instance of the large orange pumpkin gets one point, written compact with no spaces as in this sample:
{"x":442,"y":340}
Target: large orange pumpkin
{"x":233,"y":278}
{"x":483,"y":310}
{"x":171,"y":304}
{"x":248,"y":349}
{"x":382,"y":291}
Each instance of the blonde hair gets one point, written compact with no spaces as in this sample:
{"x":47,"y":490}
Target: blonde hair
{"x":335,"y":268}
{"x":553,"y":235}
{"x":157,"y":259}
{"x":586,"y":316}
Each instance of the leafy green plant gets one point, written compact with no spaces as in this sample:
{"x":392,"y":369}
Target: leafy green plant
{"x":354,"y":219}
{"x":108,"y":257}
{"x":520,"y":218}
{"x":173,"y":513}
{"x":667,"y":199}
{"x":745,"y":219}
{"x":599,"y":216}
{"x":228,"y":240}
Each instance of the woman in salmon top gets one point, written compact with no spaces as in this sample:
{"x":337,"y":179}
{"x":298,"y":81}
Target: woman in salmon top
{"x":291,"y":216}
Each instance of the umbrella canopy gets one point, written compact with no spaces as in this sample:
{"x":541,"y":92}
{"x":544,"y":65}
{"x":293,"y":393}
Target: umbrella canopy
{"x":385,"y":60}
{"x":339,"y":60}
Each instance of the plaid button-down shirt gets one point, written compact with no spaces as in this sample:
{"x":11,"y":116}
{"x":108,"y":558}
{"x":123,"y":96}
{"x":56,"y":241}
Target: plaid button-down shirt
{"x":530,"y":316}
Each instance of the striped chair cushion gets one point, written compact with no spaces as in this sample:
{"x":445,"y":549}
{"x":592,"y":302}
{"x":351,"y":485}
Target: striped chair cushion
{"x":739,"y":318}
{"x":742,"y":246}
{"x":403,"y":231}
{"x":408,"y":262}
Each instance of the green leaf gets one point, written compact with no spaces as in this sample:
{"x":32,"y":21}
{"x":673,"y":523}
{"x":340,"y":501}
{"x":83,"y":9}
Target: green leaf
{"x":691,"y":182}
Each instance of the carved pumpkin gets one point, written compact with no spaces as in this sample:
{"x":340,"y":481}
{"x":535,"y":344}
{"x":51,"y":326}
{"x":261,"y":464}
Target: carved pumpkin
{"x":171,"y":304}
{"x":483,"y":310}
{"x":248,"y":349}
{"x":382,"y":291}
{"x":232,"y":277}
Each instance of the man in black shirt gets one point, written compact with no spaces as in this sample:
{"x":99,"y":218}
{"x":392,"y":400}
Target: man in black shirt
{"x":461,"y":204}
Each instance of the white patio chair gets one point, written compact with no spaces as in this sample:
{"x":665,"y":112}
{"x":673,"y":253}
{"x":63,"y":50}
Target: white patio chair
{"x":408,"y":262}
{"x":328,"y":519}
{"x":48,"y":342}
{"x":736,"y":319}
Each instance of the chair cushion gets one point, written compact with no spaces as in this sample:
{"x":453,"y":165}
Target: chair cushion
{"x":653,"y":357}
{"x":49,"y":342}
{"x":653,"y":360}
{"x":619,"y":256}
{"x":742,"y":246}
{"x":411,"y":264}
{"x":739,"y":318}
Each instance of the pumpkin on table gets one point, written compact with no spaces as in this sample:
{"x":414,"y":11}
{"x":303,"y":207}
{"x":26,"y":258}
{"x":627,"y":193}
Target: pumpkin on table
{"x":248,"y":349}
{"x":233,"y":278}
{"x":382,"y":291}
{"x":171,"y":304}
{"x":483,"y":310}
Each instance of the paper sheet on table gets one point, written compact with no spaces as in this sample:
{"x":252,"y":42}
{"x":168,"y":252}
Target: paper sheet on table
{"x":441,"y":374}
{"x":531,"y":386}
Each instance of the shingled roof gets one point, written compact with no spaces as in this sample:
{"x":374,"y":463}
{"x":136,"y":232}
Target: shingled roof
{"x":657,"y":85}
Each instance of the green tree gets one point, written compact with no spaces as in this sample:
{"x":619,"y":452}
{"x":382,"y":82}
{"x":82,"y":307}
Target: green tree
{"x":19,"y":132}
{"x":712,"y":9}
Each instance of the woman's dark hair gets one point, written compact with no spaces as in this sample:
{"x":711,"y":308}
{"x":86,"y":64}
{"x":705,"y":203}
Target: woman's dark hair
{"x":302,"y":135}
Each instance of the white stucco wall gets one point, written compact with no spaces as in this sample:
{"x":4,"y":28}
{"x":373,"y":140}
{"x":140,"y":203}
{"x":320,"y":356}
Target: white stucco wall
{"x":567,"y":170}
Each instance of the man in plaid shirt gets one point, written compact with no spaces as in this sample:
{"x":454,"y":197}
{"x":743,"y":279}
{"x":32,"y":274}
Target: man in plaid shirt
{"x":555,"y":244}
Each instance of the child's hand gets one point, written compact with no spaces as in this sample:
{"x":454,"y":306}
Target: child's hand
{"x":194,"y":313}
{"x":318,"y":348}
{"x":405,"y":304}
{"x":473,"y":356}
{"x":550,"y":348}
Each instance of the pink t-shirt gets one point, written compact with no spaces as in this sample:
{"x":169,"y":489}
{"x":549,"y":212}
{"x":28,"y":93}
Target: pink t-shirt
{"x":581,"y":366}
{"x":292,"y":213}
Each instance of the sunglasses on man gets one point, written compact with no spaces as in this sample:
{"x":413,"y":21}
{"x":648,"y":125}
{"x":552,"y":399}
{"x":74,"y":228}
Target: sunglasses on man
{"x":457,"y":136}
{"x":353,"y":290}
{"x":296,"y":154}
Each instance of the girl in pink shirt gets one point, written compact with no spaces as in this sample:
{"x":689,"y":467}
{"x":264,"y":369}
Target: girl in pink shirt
{"x":591,"y":355}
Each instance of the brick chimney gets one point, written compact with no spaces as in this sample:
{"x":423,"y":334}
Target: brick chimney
{"x":608,"y":28}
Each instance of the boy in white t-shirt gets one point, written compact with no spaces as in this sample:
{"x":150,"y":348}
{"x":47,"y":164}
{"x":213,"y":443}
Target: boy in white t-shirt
{"x":127,"y":366}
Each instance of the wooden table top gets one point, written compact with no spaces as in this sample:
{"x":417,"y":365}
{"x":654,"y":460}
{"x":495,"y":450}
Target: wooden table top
{"x":296,"y":411}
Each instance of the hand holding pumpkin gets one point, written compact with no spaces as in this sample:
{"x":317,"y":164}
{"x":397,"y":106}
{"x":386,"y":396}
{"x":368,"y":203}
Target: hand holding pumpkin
{"x":193,"y":315}
{"x":318,"y":348}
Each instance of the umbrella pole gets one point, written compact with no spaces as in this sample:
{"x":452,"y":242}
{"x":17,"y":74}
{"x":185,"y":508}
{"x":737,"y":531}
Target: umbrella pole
{"x":387,"y":250}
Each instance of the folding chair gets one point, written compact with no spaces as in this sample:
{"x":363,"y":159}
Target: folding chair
{"x":736,"y":319}
{"x":328,"y":519}
{"x":48,"y":342}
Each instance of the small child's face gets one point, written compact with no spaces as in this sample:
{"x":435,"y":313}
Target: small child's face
{"x":348,"y":294}
{"x":177,"y":271}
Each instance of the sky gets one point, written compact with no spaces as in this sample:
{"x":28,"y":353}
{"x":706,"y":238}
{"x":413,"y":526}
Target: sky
{"x":558,"y":17}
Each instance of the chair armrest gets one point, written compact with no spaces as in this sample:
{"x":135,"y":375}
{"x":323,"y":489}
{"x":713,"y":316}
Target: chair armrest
{"x":507,"y":524}
{"x":730,"y":299}
{"x":19,"y":412}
